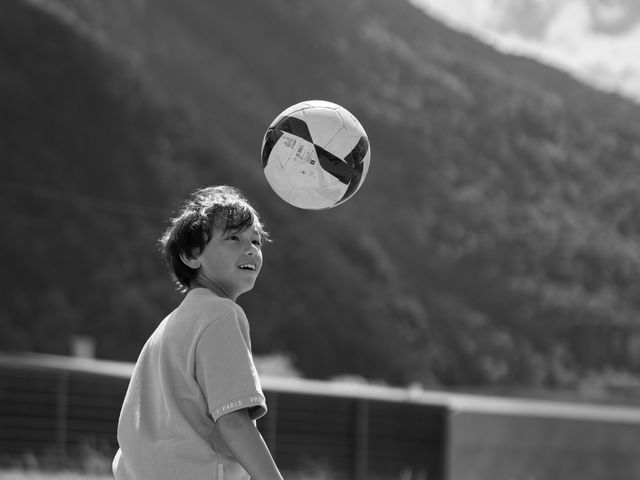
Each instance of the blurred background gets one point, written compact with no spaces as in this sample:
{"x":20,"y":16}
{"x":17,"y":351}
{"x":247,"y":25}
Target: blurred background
{"x":494,"y":247}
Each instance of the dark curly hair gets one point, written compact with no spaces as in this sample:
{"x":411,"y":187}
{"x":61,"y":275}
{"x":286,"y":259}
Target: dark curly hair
{"x":190,"y":231}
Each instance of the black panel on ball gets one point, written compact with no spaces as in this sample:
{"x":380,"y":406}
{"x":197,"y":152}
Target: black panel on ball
{"x":295,"y":126}
{"x":292,"y":125}
{"x":336,"y":166}
{"x":270,"y":139}
{"x":356,"y":159}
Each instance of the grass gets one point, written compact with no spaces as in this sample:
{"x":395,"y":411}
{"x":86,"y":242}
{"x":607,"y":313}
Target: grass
{"x":91,"y":462}
{"x":28,"y":475}
{"x":18,"y":474}
{"x":35,"y":475}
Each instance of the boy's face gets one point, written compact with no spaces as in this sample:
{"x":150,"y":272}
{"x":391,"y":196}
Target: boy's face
{"x":231,"y":260}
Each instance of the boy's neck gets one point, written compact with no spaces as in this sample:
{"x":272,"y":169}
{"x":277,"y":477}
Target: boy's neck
{"x":204,"y":282}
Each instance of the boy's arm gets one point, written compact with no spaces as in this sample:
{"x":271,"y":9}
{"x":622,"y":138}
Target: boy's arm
{"x":248,"y":446}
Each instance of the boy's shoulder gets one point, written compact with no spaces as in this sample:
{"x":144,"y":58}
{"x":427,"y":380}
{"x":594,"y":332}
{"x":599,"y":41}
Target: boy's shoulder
{"x":206,"y":305}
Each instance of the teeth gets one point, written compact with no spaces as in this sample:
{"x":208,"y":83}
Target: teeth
{"x":248,"y":267}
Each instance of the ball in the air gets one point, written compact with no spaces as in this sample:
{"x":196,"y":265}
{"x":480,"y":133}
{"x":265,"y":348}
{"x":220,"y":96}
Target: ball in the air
{"x":315,"y":155}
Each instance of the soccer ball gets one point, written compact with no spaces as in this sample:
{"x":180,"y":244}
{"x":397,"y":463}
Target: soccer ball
{"x":315,"y":155}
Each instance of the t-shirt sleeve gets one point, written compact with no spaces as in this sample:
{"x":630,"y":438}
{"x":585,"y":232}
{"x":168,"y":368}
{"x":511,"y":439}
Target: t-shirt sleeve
{"x":225,"y":370}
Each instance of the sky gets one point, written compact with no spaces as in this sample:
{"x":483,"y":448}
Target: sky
{"x":596,"y":40}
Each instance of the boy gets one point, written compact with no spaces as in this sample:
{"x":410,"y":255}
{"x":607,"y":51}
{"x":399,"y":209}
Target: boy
{"x":194,"y":394}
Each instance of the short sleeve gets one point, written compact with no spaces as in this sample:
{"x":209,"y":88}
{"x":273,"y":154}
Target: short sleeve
{"x":225,"y":370}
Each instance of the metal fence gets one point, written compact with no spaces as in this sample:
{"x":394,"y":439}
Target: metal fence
{"x":60,"y":408}
{"x":53,"y":409}
{"x":56,"y":408}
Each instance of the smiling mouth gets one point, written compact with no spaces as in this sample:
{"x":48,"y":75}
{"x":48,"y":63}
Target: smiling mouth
{"x":248,"y":266}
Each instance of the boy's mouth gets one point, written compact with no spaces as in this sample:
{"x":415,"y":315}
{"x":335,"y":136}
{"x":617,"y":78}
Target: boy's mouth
{"x":247,"y":266}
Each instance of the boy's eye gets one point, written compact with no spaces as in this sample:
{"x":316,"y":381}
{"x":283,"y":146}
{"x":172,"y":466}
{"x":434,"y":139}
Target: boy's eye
{"x":257,"y":242}
{"x":232,"y":237}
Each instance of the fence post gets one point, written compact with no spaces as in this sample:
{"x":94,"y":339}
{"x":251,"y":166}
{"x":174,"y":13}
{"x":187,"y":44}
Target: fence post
{"x":362,"y":439}
{"x":62,"y":410}
{"x":272,"y":424}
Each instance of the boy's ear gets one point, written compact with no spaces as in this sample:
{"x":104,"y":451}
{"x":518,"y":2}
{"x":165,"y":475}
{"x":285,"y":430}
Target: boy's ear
{"x":189,"y":261}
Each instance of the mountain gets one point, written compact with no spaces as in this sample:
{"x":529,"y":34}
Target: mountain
{"x":494,"y":242}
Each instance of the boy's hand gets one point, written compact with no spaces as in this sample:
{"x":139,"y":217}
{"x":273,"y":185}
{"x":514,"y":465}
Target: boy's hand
{"x":248,"y":446}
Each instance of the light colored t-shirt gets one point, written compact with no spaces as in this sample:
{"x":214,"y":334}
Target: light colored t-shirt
{"x":196,"y":367}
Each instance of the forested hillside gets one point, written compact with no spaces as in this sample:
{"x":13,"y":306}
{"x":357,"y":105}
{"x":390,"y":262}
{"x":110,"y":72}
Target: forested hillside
{"x":495,"y":241}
